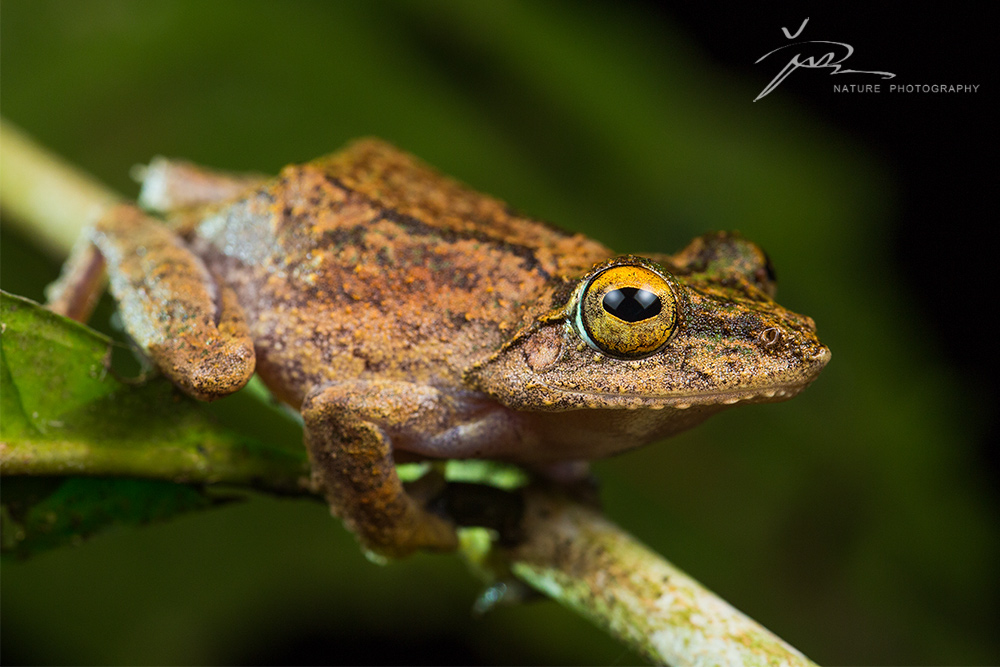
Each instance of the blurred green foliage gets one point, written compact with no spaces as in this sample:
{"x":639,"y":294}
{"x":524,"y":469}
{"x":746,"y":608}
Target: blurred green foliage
{"x":66,"y":413}
{"x":851,"y":521}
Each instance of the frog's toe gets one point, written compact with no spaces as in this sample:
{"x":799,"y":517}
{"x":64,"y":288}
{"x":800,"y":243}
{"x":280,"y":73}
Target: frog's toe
{"x":422,"y":531}
{"x":433,"y":533}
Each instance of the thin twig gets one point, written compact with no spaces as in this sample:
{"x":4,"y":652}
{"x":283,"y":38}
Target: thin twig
{"x":214,"y":461}
{"x":576,"y":556}
{"x":46,"y":198}
{"x":571,"y":552}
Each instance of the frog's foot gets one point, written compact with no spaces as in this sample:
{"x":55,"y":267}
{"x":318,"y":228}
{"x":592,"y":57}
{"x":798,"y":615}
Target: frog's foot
{"x":172,"y":307}
{"x":387,"y":527}
{"x":418,"y":530}
{"x":352,"y":461}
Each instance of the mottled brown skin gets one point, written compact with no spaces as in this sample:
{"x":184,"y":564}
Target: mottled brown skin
{"x":365,"y":265}
{"x":401,"y":312}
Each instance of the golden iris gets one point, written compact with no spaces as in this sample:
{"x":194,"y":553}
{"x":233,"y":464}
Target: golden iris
{"x":627,"y":311}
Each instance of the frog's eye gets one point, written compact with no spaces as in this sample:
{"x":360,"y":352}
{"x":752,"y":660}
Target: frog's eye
{"x":627,"y":311}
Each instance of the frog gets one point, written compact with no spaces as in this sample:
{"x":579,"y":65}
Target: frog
{"x":407,"y":317}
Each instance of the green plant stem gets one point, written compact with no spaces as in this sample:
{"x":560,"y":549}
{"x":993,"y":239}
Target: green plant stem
{"x":47,"y":199}
{"x":213,"y":462}
{"x":576,"y":556}
{"x":570,"y":552}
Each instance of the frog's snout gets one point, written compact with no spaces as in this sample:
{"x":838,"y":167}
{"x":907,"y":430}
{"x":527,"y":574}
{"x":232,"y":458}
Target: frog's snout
{"x":821,"y":355}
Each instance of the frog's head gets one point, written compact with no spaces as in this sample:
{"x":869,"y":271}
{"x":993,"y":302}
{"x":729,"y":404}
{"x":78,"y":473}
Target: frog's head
{"x":699,"y":330}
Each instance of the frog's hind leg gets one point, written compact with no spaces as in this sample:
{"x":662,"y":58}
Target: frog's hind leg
{"x":352,"y":458}
{"x":192,"y":327}
{"x":81,"y":283}
{"x":169,"y":186}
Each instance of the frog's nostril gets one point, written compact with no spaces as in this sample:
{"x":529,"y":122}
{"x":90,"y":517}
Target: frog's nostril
{"x":821,"y":355}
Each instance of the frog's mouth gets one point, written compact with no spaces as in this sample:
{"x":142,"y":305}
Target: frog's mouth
{"x":676,"y":400}
{"x":682,"y":400}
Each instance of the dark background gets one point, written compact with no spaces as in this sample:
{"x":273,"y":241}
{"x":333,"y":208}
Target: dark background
{"x":858,"y":521}
{"x":937,"y":144}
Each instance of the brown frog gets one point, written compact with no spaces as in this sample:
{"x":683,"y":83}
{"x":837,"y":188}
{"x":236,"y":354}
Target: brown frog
{"x":405,"y":315}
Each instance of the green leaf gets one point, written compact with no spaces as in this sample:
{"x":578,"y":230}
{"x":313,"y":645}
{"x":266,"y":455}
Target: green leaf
{"x":65,"y":414}
{"x":40,"y":513}
{"x":51,"y":366}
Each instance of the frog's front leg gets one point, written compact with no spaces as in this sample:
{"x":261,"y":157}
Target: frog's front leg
{"x":351,"y":428}
{"x":191,"y":326}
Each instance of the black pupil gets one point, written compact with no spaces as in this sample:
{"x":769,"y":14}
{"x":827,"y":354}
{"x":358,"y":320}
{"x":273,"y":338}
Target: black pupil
{"x":631,"y":304}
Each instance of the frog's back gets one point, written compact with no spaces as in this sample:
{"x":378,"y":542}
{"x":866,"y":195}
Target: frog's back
{"x":368,"y":263}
